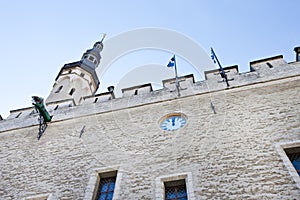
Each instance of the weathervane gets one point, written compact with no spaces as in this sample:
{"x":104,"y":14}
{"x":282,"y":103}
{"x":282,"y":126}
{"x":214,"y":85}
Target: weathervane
{"x":44,"y":116}
{"x":103,"y":36}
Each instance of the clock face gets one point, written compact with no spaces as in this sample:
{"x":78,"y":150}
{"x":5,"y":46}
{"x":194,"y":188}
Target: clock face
{"x":173,"y":122}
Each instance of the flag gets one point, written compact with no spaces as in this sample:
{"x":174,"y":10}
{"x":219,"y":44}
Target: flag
{"x":171,"y":62}
{"x":213,"y":56}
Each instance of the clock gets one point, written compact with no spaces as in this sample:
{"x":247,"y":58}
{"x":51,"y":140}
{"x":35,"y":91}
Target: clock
{"x":172,"y":122}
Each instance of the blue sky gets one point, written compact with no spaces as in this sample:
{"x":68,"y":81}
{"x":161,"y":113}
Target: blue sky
{"x":38,"y":37}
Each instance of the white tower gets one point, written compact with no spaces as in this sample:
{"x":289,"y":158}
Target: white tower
{"x":78,"y":79}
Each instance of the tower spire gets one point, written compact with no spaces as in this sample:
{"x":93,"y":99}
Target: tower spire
{"x":78,"y":79}
{"x":92,"y":56}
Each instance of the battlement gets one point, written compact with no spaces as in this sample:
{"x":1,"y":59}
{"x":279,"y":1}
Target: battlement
{"x":135,"y":90}
{"x":215,"y":73}
{"x":261,"y":71}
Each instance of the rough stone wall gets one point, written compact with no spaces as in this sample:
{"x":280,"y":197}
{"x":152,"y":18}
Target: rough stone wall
{"x":230,"y":154}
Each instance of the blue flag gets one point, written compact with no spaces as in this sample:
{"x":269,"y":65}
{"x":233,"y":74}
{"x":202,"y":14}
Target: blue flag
{"x":213,"y":56}
{"x":171,"y":62}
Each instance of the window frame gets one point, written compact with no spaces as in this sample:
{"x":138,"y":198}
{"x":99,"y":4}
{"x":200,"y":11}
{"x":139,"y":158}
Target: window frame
{"x":187,"y":177}
{"x":280,"y":147}
{"x":113,"y":176}
{"x":94,"y":181}
{"x":40,"y":197}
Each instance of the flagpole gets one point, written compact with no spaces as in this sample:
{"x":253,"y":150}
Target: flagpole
{"x":223,"y":74}
{"x":176,"y":78}
{"x":217,"y":60}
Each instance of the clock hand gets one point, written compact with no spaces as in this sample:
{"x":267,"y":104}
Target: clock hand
{"x":173,"y":121}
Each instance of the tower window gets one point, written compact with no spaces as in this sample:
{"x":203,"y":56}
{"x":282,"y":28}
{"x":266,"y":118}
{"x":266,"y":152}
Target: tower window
{"x":82,"y":74}
{"x":95,"y":62}
{"x":72,"y":91}
{"x":135,"y":92}
{"x":91,"y":58}
{"x":59,"y":89}
{"x":175,"y":190}
{"x":99,"y":46}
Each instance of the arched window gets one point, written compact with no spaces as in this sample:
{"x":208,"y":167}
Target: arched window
{"x":72,"y":91}
{"x":91,"y":58}
{"x":59,"y":89}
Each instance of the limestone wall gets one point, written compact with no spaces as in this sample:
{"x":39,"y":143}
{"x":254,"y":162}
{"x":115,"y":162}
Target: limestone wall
{"x":230,"y":154}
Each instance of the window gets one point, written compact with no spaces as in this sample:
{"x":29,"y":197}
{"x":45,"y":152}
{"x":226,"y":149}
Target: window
{"x":82,"y":74}
{"x":104,"y":183}
{"x":290,"y":154}
{"x":294,"y":155}
{"x":106,"y":186}
{"x":59,"y":89}
{"x":98,"y":46}
{"x":91,"y":58}
{"x":175,"y":190}
{"x":175,"y":187}
{"x":135,"y":92}
{"x":72,"y":91}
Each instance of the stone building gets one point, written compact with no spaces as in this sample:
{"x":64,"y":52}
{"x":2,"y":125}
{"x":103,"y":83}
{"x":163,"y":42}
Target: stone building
{"x":212,"y":142}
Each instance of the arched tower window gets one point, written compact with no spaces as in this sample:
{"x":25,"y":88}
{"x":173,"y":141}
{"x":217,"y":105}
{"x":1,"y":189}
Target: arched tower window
{"x":91,"y":58}
{"x":59,"y":89}
{"x":72,"y":91}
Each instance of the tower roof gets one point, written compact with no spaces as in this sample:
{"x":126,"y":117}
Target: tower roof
{"x":82,"y":65}
{"x":89,"y":61}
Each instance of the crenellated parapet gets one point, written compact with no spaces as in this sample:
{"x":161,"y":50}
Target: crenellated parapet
{"x":262,"y":71}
